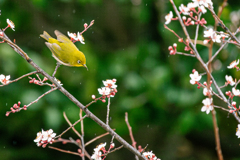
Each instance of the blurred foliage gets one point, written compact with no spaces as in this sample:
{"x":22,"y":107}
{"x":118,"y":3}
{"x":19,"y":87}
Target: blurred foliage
{"x":127,"y":42}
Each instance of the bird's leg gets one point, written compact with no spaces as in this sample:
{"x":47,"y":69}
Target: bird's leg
{"x":55,"y":71}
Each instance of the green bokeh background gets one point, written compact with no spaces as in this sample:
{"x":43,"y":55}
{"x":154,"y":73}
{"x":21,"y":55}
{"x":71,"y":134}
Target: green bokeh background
{"x":127,"y":42}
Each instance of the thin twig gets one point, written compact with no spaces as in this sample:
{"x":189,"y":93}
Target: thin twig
{"x":65,"y":151}
{"x":118,"y":148}
{"x":70,"y":124}
{"x":82,"y":138}
{"x":51,"y":90}
{"x":197,"y":30}
{"x":96,"y":138}
{"x":15,"y":80}
{"x":130,"y":133}
{"x":55,"y":71}
{"x":108,"y":111}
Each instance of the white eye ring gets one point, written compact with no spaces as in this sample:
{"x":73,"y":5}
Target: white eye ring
{"x":78,"y":61}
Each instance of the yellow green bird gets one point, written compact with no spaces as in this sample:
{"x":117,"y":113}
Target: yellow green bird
{"x":64,"y":50}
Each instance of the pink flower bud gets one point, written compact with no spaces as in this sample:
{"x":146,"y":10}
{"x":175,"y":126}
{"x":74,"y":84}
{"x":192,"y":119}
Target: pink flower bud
{"x":103,"y":100}
{"x":45,"y":79}
{"x":7,"y":114}
{"x":170,"y":48}
{"x":112,"y":145}
{"x":85,"y":25}
{"x":180,"y":40}
{"x":79,"y":151}
{"x":93,"y":96}
{"x":19,"y":103}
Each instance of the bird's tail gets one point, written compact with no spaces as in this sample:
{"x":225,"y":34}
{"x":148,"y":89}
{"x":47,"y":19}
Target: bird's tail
{"x":45,"y":35}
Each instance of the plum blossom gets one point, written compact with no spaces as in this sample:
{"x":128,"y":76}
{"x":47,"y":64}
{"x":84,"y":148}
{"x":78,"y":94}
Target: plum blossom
{"x":4,"y":79}
{"x":73,"y":36}
{"x":97,"y":151}
{"x":104,"y":91}
{"x":207,"y":102}
{"x":238,"y":131}
{"x":45,"y":137}
{"x":185,"y":10}
{"x":229,"y":80}
{"x":208,"y":33}
{"x":195,"y":77}
{"x":150,"y":156}
{"x":207,"y":92}
{"x":80,"y":38}
{"x":235,"y":91}
{"x":10,"y":24}
{"x":233,"y":64}
{"x":168,"y":17}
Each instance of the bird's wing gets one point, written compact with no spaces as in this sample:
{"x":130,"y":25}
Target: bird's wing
{"x":61,"y":37}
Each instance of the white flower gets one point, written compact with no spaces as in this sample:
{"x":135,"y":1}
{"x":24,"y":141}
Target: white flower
{"x":233,"y":64}
{"x":216,"y":38}
{"x":229,"y":80}
{"x":150,"y":156}
{"x":97,"y":155}
{"x":192,"y":5}
{"x":207,"y":102}
{"x":11,"y":24}
{"x":238,"y":131}
{"x":203,"y":2}
{"x":97,"y":151}
{"x":206,"y":3}
{"x":208,"y":33}
{"x":203,"y":9}
{"x":101,"y":146}
{"x":235,"y":91}
{"x":223,"y":35}
{"x":104,"y":91}
{"x":207,"y":92}
{"x":185,"y":10}
{"x":72,"y":35}
{"x":168,"y":17}
{"x":4,"y":79}
{"x":80,"y":38}
{"x":195,"y":77}
{"x":110,"y":84}
{"x":45,"y":137}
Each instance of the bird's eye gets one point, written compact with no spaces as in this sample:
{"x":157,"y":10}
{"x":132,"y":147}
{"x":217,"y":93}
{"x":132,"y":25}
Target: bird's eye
{"x":78,"y":61}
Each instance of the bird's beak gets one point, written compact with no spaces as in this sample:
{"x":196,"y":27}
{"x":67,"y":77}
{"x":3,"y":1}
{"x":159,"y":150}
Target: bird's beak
{"x":85,"y":66}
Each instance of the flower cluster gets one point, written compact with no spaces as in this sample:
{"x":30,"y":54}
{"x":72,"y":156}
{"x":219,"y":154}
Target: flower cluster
{"x":45,"y":137}
{"x":109,"y":90}
{"x":4,"y":79}
{"x":214,"y":36}
{"x":100,"y":150}
{"x":16,"y":108}
{"x":76,"y":37}
{"x":173,"y":50}
{"x":150,"y":156}
{"x":189,"y":9}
